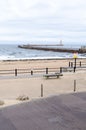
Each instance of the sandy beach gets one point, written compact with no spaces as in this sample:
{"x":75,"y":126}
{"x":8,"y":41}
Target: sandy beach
{"x":10,"y":89}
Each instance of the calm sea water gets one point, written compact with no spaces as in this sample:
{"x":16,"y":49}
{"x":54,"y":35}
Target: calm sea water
{"x":12,"y":52}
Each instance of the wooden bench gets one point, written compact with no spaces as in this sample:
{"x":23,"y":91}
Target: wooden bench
{"x":57,"y":75}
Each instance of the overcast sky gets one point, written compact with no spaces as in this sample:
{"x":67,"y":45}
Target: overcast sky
{"x":43,"y":20}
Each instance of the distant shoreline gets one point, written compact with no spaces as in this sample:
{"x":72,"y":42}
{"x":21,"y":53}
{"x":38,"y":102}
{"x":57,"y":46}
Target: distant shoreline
{"x":41,"y":59}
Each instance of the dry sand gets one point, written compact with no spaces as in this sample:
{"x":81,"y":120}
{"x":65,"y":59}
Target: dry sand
{"x":10,"y":89}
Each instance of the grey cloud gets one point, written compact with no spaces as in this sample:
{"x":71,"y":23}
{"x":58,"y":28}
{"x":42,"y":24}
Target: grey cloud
{"x":41,"y":6}
{"x":68,"y":21}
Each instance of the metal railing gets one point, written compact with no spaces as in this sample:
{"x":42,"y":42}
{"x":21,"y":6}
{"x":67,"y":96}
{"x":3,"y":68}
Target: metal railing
{"x":16,"y":72}
{"x":34,"y":71}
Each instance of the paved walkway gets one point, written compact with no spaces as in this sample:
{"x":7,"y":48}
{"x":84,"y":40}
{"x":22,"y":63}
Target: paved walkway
{"x":64,"y":112}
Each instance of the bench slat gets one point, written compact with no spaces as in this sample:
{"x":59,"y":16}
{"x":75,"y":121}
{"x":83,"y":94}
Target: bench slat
{"x":53,"y":75}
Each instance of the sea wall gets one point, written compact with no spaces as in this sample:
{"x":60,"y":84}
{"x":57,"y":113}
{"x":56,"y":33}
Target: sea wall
{"x":69,"y":50}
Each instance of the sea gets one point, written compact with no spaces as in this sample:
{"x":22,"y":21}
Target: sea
{"x":13,"y":52}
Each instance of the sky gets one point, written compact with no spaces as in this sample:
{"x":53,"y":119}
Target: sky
{"x":43,"y":20}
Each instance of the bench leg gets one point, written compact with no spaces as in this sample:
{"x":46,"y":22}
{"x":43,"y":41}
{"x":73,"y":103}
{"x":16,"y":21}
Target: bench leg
{"x":47,"y":77}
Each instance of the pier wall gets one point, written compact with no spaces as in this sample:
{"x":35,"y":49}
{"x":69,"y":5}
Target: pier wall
{"x":69,"y":50}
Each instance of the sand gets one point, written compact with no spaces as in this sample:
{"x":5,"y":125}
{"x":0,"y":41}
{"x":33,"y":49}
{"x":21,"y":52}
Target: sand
{"x":12,"y":88}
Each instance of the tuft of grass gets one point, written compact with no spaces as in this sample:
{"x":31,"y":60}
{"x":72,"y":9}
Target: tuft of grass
{"x":22,"y":98}
{"x":1,"y":102}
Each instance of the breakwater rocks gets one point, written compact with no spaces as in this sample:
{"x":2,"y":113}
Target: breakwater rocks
{"x":47,"y":48}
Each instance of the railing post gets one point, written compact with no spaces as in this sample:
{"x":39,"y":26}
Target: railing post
{"x":71,"y":64}
{"x":74,"y":68}
{"x":46,"y":70}
{"x":75,"y":63}
{"x":41,"y":90}
{"x":15,"y":72}
{"x":60,"y":69}
{"x":31,"y":72}
{"x":74,"y":85}
{"x":80,"y":63}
